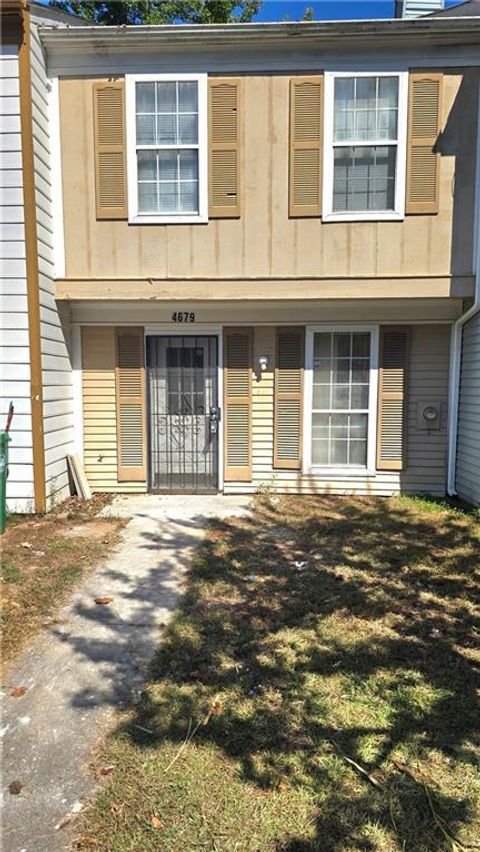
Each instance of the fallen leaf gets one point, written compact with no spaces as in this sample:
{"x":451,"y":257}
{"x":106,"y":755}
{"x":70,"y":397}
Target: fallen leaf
{"x":15,"y":787}
{"x":217,"y":707}
{"x":156,"y":822}
{"x":116,"y":809}
{"x":282,"y":785}
{"x":103,"y":600}
{"x":106,"y":770}
{"x":18,"y":691}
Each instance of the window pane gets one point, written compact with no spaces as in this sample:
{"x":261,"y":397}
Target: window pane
{"x":320,"y":452}
{"x":339,"y":426}
{"x":358,"y":452}
{"x":361,"y":345}
{"x":320,"y":426}
{"x":364,"y":178}
{"x":188,"y":196}
{"x":341,"y":370}
{"x":168,"y":166}
{"x":388,"y":92}
{"x":339,"y":452}
{"x":358,"y":425}
{"x":188,"y":97}
{"x":360,"y":370}
{"x":359,"y":396}
{"x":147,"y":198}
{"x":340,"y":396}
{"x":365,"y":94}
{"x":321,"y":370}
{"x":145,"y":97}
{"x":167,"y":129}
{"x":188,"y":165}
{"x":168,"y":202}
{"x":166,"y":97}
{"x":341,"y":345}
{"x":321,"y":396}
{"x":147,"y":165}
{"x":187,"y":129}
{"x":146,"y":130}
{"x":322,"y":345}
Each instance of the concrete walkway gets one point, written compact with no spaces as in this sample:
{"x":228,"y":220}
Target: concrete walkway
{"x":92,"y":661}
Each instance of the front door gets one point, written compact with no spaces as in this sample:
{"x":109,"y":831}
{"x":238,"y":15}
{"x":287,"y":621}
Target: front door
{"x":183,"y":414}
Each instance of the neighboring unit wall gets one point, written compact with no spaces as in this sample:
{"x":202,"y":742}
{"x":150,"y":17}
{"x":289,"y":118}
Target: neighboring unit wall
{"x":468,"y":440}
{"x":56,"y":365}
{"x":426,"y":452}
{"x":14,"y":354}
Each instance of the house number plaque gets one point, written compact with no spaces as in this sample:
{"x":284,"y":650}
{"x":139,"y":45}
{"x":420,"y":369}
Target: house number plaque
{"x":183,"y":316}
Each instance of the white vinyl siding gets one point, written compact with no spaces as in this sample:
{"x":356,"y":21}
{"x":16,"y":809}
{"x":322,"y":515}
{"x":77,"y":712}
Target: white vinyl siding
{"x":14,"y":352}
{"x":56,"y":365}
{"x":468,"y":438}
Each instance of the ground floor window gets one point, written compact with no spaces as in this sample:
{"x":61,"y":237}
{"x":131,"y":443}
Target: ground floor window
{"x":340,"y":402}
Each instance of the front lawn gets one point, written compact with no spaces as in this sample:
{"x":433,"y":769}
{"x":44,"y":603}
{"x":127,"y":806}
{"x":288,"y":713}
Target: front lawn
{"x":315,"y":691}
{"x":43,"y":556}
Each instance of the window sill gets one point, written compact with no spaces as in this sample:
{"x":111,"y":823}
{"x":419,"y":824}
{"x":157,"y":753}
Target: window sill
{"x":193,"y":219}
{"x":340,"y":472}
{"x":387,"y":216}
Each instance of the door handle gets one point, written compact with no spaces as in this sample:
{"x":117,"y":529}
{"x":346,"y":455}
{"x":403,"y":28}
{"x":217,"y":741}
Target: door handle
{"x":214,"y":418}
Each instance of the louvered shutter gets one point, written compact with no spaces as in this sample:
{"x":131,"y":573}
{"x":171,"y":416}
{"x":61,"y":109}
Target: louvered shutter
{"x":110,"y":169}
{"x":305,"y":179}
{"x":423,"y":167}
{"x":238,"y":404}
{"x":392,"y":398}
{"x":288,"y":398}
{"x":130,"y":399}
{"x":224,"y":147}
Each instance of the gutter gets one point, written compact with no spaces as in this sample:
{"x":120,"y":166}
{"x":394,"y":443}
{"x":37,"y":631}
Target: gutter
{"x":457,"y":335}
{"x":463,"y":30}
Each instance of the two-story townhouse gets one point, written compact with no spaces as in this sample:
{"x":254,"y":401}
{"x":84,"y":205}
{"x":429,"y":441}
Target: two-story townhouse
{"x":263,"y":238}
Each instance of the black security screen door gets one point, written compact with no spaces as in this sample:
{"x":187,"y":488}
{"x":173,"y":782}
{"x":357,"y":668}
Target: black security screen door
{"x":182,"y":388}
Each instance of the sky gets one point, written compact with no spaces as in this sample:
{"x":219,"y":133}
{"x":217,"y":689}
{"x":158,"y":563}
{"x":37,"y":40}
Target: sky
{"x":327,"y":10}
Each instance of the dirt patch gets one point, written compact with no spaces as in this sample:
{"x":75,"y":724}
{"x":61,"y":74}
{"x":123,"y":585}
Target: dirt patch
{"x":43,"y":557}
{"x":92,"y":529}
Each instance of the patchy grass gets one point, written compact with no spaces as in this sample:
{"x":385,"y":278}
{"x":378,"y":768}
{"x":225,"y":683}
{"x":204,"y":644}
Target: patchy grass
{"x":42,"y":558}
{"x":319,"y":632}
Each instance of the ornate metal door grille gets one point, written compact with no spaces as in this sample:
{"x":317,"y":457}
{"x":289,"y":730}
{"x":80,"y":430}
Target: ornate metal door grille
{"x":182,"y":389}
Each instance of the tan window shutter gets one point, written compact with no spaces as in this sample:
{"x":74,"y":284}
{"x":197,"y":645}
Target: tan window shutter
{"x":306,"y":119}
{"x":423,"y":166}
{"x":238,"y":404}
{"x":288,"y":398}
{"x":110,"y":168}
{"x":392,"y":398}
{"x":130,"y":399}
{"x":224,"y":130}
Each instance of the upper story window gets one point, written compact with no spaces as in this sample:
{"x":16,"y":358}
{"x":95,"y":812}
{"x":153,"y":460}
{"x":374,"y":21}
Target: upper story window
{"x":167,"y":148}
{"x":365,"y":146}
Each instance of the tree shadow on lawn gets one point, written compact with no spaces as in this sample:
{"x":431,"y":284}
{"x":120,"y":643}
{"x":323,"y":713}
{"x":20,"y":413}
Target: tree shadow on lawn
{"x":366,"y":651}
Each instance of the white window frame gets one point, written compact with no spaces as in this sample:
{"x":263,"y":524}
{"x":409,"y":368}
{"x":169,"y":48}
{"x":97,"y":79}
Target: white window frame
{"x":398,"y":213}
{"x":134,"y":217}
{"x":346,"y":470}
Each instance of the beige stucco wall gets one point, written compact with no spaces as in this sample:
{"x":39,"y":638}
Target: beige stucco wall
{"x":264,"y":241}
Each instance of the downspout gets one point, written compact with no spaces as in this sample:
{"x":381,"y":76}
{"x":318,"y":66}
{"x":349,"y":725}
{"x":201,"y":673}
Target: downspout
{"x":457,"y":332}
